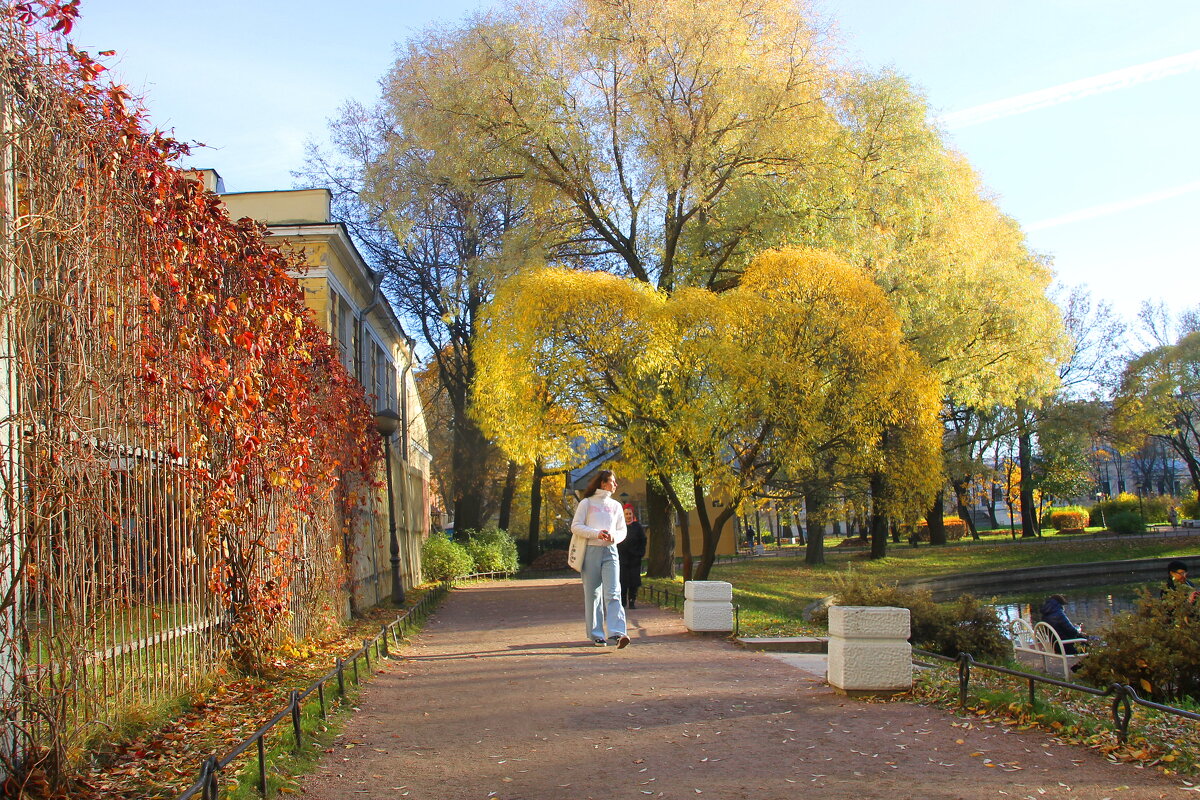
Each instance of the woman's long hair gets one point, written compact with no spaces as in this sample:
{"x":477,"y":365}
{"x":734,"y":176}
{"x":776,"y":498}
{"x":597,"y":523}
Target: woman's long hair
{"x":594,"y":484}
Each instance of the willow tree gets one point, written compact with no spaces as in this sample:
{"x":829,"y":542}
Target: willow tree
{"x":971,"y":297}
{"x":680,"y":137}
{"x":1159,"y":397}
{"x":791,"y":376}
{"x":660,"y":127}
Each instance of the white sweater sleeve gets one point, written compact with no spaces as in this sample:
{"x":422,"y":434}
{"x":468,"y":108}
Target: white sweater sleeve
{"x":619,"y":531}
{"x":579,"y":521}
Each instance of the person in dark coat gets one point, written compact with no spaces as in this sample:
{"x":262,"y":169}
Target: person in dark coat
{"x":631,"y":551}
{"x":1054,"y":615}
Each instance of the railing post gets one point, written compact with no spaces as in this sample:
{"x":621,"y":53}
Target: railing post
{"x":208,"y":778}
{"x":321,"y":699}
{"x":383,"y":637}
{"x":1122,"y":709}
{"x":1032,"y":696}
{"x":295,"y":699}
{"x":367,"y":653}
{"x":964,"y":678}
{"x":357,"y":680}
{"x":341,"y":677}
{"x":262,"y":767}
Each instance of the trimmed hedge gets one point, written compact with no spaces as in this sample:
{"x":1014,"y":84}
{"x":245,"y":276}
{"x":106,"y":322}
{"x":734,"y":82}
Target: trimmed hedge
{"x":1067,"y":518}
{"x":956,"y":529}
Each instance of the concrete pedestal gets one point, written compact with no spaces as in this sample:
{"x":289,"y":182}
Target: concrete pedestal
{"x":708,"y":606}
{"x":869,"y":651}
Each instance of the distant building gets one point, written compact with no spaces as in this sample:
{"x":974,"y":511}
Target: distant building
{"x":345,"y":295}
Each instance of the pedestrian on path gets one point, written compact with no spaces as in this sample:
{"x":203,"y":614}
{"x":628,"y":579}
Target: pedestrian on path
{"x":601,"y":520}
{"x":631,"y":551}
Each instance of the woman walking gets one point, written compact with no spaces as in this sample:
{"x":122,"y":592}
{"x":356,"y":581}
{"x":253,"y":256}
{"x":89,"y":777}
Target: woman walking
{"x":631,"y":551}
{"x":600,"y":520}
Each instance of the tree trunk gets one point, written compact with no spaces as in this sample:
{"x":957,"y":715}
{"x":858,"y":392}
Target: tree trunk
{"x":936,"y":520}
{"x":660,"y":546}
{"x":469,"y":464}
{"x":960,"y":499}
{"x":506,"y":498}
{"x":535,"y":507}
{"x":814,"y":523}
{"x":879,"y":521}
{"x":710,"y":530}
{"x":685,"y":531}
{"x":1025,"y":461}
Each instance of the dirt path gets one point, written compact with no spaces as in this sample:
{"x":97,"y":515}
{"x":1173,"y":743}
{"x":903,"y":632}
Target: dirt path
{"x":502,"y":696}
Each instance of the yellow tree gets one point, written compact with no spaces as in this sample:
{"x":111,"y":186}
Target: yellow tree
{"x":680,"y":137}
{"x":789,"y":379}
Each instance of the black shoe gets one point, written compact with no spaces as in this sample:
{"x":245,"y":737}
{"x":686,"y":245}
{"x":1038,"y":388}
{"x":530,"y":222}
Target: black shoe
{"x":622,"y":641}
{"x":599,"y":642}
{"x":632,"y":604}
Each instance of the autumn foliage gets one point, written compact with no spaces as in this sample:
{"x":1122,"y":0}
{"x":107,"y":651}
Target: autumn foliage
{"x":177,"y":428}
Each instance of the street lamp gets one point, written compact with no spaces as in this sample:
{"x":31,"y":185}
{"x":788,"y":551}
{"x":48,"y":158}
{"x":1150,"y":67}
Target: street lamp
{"x":386,"y":422}
{"x":1100,"y":505}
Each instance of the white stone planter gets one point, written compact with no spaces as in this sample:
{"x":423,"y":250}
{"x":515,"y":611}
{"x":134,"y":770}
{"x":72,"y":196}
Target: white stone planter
{"x":708,"y":606}
{"x":869,"y":651}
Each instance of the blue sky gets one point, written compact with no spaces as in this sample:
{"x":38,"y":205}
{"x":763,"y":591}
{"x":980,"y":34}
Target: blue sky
{"x":1081,"y":116}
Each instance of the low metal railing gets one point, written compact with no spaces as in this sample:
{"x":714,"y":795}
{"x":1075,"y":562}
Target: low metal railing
{"x":1124,"y":696}
{"x":660,"y":596}
{"x":207,"y":785}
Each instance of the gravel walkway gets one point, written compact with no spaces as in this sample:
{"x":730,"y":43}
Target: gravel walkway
{"x":501,"y":696}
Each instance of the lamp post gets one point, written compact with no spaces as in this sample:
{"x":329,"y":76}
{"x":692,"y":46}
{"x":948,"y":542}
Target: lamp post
{"x":386,"y":422}
{"x":1100,"y":505}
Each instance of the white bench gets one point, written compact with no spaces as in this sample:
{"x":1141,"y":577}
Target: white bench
{"x":1043,"y":641}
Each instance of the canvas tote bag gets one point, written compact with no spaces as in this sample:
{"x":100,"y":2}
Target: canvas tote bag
{"x":577,"y":549}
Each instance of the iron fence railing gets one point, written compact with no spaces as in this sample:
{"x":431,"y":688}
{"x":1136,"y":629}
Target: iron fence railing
{"x":1124,"y":697}
{"x":207,"y":786}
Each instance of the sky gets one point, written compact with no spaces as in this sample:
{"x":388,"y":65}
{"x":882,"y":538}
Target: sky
{"x":1080,"y":115}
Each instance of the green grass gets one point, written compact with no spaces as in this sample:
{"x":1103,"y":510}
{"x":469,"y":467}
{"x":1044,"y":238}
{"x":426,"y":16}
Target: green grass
{"x":772,"y":593}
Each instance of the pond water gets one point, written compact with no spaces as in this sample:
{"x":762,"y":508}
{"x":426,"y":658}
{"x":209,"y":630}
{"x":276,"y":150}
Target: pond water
{"x":1089,"y":609}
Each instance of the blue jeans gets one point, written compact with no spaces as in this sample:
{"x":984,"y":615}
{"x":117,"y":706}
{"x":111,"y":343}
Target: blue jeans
{"x":602,"y":592}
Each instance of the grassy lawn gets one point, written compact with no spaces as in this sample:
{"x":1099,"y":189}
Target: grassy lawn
{"x":773,"y":592}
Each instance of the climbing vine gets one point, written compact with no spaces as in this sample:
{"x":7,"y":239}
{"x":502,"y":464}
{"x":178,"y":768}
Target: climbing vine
{"x":177,"y":434}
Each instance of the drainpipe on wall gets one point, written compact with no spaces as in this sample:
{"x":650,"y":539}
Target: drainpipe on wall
{"x":410,"y":357}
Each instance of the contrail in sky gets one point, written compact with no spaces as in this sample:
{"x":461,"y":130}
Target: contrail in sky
{"x":1074,"y":90}
{"x":1114,"y":208}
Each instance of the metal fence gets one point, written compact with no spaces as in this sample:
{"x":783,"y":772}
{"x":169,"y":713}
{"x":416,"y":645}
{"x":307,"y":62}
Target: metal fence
{"x":171,"y":492}
{"x":1124,"y":697}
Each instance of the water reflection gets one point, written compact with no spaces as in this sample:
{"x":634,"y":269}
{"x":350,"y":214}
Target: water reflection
{"x":1088,"y":609}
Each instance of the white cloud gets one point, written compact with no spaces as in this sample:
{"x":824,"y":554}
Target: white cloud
{"x":1074,"y":90}
{"x":1114,"y":208}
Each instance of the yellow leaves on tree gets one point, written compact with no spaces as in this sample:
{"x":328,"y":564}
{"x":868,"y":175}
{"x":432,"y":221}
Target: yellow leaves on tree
{"x":792,"y":376}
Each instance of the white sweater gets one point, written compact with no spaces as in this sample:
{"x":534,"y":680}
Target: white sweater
{"x":599,"y":513}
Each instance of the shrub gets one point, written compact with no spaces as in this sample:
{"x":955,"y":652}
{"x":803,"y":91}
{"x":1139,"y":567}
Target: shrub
{"x":1126,"y":522}
{"x":1152,"y":509}
{"x":955,"y":529}
{"x":443,"y":559}
{"x":492,"y":550}
{"x":966,"y":625}
{"x":1189,"y":508}
{"x":1067,"y":518}
{"x":1155,"y":648}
